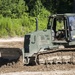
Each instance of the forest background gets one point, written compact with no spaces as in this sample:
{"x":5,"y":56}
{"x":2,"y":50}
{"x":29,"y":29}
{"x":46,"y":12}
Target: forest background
{"x":17,"y":17}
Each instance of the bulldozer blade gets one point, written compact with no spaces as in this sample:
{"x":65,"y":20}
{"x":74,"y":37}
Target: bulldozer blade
{"x":8,"y":55}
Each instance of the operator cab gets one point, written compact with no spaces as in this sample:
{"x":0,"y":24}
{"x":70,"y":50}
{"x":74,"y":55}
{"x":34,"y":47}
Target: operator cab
{"x":59,"y":28}
{"x":63,"y":26}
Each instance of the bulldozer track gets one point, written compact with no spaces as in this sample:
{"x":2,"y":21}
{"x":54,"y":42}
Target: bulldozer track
{"x":57,"y":56}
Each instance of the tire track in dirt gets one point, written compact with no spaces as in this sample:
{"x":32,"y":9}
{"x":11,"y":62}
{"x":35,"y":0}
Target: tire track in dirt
{"x":58,"y":72}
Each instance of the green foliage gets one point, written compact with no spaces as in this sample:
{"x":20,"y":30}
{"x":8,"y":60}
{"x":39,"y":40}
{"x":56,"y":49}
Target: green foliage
{"x":17,"y":17}
{"x":13,"y":8}
{"x":16,"y":27}
{"x":37,"y":8}
{"x":59,"y":6}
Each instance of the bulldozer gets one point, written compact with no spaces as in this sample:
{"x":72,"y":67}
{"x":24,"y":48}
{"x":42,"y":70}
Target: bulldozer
{"x":54,"y":45}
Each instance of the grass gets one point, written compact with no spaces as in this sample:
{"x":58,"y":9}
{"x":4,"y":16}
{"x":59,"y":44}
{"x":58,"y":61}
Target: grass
{"x":20,"y":26}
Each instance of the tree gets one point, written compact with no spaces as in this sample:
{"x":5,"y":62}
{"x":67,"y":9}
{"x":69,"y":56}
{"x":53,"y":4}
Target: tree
{"x":12,"y":8}
{"x":37,"y":8}
{"x":30,"y":4}
{"x":58,"y":6}
{"x":5,"y":7}
{"x":21,"y":8}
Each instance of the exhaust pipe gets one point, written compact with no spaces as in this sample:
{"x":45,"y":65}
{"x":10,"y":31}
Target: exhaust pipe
{"x":36,"y":24}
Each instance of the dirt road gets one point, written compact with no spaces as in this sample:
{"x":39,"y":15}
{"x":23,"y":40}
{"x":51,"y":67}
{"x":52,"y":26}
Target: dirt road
{"x":58,"y":72}
{"x":12,"y":42}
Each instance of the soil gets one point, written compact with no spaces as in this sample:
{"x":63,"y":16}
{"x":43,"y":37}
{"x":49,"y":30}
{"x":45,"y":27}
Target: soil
{"x":43,"y":73}
{"x":55,"y":69}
